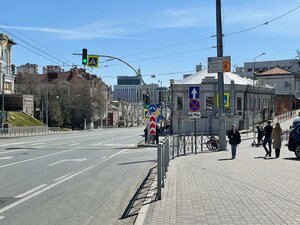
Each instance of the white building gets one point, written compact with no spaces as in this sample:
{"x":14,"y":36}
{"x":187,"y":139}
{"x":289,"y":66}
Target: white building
{"x":246,"y":101}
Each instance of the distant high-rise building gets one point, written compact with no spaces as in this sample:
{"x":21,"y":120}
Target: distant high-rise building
{"x":31,"y":69}
{"x":52,"y":68}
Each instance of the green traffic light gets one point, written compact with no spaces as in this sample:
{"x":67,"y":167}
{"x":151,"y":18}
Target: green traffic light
{"x":84,"y":61}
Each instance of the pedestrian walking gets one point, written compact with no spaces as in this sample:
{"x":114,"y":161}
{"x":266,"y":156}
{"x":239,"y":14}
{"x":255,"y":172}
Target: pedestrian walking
{"x":234,"y":139}
{"x":146,"y":134}
{"x":276,"y":137}
{"x":268,"y":139}
{"x":260,"y":134}
{"x":157,"y":134}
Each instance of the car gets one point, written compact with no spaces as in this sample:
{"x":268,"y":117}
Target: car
{"x":296,"y":122}
{"x":294,"y":140}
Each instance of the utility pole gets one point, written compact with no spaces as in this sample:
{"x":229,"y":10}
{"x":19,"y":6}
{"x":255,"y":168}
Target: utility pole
{"x":222,"y":128}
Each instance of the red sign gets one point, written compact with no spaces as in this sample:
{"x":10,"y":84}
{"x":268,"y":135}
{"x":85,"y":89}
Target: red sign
{"x":152,"y":125}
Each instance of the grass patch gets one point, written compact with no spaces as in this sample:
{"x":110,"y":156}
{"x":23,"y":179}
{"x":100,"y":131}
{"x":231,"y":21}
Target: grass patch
{"x":20,"y":119}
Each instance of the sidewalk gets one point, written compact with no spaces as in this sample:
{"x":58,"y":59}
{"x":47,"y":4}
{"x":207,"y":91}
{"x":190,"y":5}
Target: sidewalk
{"x":210,"y":188}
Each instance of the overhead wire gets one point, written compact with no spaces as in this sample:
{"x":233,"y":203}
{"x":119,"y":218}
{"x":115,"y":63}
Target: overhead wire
{"x":43,"y":46}
{"x":41,"y":53}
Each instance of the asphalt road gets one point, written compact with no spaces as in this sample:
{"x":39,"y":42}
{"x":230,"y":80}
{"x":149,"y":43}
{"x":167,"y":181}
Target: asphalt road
{"x":82,"y":178}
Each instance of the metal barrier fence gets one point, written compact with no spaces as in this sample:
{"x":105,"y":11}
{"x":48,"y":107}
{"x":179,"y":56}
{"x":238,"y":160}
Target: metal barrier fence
{"x":175,"y":146}
{"x":25,"y":131}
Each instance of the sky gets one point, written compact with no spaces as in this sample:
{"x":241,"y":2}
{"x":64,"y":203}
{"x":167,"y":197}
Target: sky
{"x":162,"y":38}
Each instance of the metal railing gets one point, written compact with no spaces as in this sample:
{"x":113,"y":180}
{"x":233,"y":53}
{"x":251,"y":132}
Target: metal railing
{"x":28,"y":131}
{"x":175,"y":146}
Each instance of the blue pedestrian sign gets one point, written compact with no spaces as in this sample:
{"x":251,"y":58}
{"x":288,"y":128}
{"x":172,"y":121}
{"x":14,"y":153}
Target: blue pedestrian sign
{"x":194,"y":92}
{"x":152,"y":108}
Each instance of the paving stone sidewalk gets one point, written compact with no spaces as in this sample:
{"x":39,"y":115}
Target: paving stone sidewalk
{"x":210,"y":188}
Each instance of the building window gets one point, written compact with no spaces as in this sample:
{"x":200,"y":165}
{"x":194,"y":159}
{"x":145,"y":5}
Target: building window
{"x":249,"y":70}
{"x":179,"y":103}
{"x":238,"y":103}
{"x":209,"y":103}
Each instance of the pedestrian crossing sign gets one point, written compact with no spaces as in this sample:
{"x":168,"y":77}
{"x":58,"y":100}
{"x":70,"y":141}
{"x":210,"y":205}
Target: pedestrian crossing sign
{"x":93,"y":61}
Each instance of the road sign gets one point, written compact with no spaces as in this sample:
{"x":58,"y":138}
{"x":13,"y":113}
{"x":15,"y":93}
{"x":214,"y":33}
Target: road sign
{"x":194,"y":115}
{"x":194,"y":92}
{"x":218,"y":64}
{"x":194,"y":105}
{"x":152,"y":125}
{"x":146,"y":114}
{"x":93,"y":61}
{"x":152,"y":108}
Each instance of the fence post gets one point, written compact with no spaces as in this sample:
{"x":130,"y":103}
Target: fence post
{"x":192,"y":141}
{"x":163,"y":171}
{"x":184,"y":144}
{"x":201,"y":141}
{"x":195,"y":143}
{"x":173,"y":148}
{"x":159,"y":171}
{"x":177,"y":146}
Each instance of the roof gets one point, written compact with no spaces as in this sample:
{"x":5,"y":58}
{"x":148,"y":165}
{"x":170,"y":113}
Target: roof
{"x":275,"y":71}
{"x":228,"y":77}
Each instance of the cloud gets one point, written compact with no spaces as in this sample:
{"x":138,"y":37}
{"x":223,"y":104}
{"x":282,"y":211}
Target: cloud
{"x":184,"y":18}
{"x":90,"y":31}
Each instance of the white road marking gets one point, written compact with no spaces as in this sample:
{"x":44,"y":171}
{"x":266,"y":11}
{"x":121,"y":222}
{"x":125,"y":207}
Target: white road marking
{"x":30,"y":191}
{"x":7,"y":157}
{"x":74,"y":144}
{"x":24,"y":149}
{"x":62,"y":177}
{"x":38,"y":143}
{"x":67,"y":160}
{"x":2,"y":217}
{"x":104,"y":157}
{"x":16,"y":203}
{"x":40,"y":157}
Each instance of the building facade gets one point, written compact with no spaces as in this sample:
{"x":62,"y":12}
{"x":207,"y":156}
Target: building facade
{"x":52,"y":68}
{"x":5,"y":64}
{"x":246,"y":102}
{"x":261,"y":66}
{"x":287,"y":88}
{"x":31,"y":69}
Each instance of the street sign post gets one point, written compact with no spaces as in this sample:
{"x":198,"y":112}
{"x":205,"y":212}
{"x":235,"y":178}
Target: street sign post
{"x":218,"y":64}
{"x":194,"y":92}
{"x":194,"y":115}
{"x":152,"y":108}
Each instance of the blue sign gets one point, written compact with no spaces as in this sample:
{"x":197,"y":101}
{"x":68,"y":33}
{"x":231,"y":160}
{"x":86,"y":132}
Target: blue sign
{"x":152,"y":108}
{"x":194,"y":105}
{"x":194,"y":92}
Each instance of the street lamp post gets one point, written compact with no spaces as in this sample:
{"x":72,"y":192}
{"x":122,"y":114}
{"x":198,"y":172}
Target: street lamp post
{"x":254,"y":105}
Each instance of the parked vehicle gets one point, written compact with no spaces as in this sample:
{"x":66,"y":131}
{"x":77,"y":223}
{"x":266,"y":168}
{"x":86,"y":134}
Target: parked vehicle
{"x":296,"y":122}
{"x":294,"y":140}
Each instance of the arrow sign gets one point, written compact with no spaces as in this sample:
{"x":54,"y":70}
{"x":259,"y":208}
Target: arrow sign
{"x":152,"y":108}
{"x":152,"y":125}
{"x":194,"y":92}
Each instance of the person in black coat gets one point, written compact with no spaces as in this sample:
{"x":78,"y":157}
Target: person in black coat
{"x":234,"y":139}
{"x":268,"y":140}
{"x":146,"y":134}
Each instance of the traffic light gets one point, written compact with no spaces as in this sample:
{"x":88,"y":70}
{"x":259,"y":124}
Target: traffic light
{"x":84,"y":56}
{"x":13,"y":69}
{"x":146,"y":98}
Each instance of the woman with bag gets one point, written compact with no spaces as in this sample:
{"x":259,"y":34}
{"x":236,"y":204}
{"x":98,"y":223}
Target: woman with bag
{"x":234,"y":139}
{"x":276,"y":137}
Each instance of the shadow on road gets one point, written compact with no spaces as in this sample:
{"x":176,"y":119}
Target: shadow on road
{"x":293,"y":159}
{"x":126,"y":163}
{"x":225,"y":159}
{"x":140,"y":196}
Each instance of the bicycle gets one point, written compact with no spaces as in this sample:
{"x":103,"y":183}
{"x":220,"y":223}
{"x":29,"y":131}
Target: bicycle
{"x":212,"y":143}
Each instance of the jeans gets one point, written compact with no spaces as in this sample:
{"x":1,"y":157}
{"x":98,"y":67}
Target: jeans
{"x":268,"y":141}
{"x":233,"y":150}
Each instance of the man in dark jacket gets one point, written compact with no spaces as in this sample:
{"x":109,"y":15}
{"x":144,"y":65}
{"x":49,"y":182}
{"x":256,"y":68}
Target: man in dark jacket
{"x":268,"y":140}
{"x":234,"y":139}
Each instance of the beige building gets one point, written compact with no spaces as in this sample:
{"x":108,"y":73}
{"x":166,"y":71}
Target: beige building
{"x":5,"y":63}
